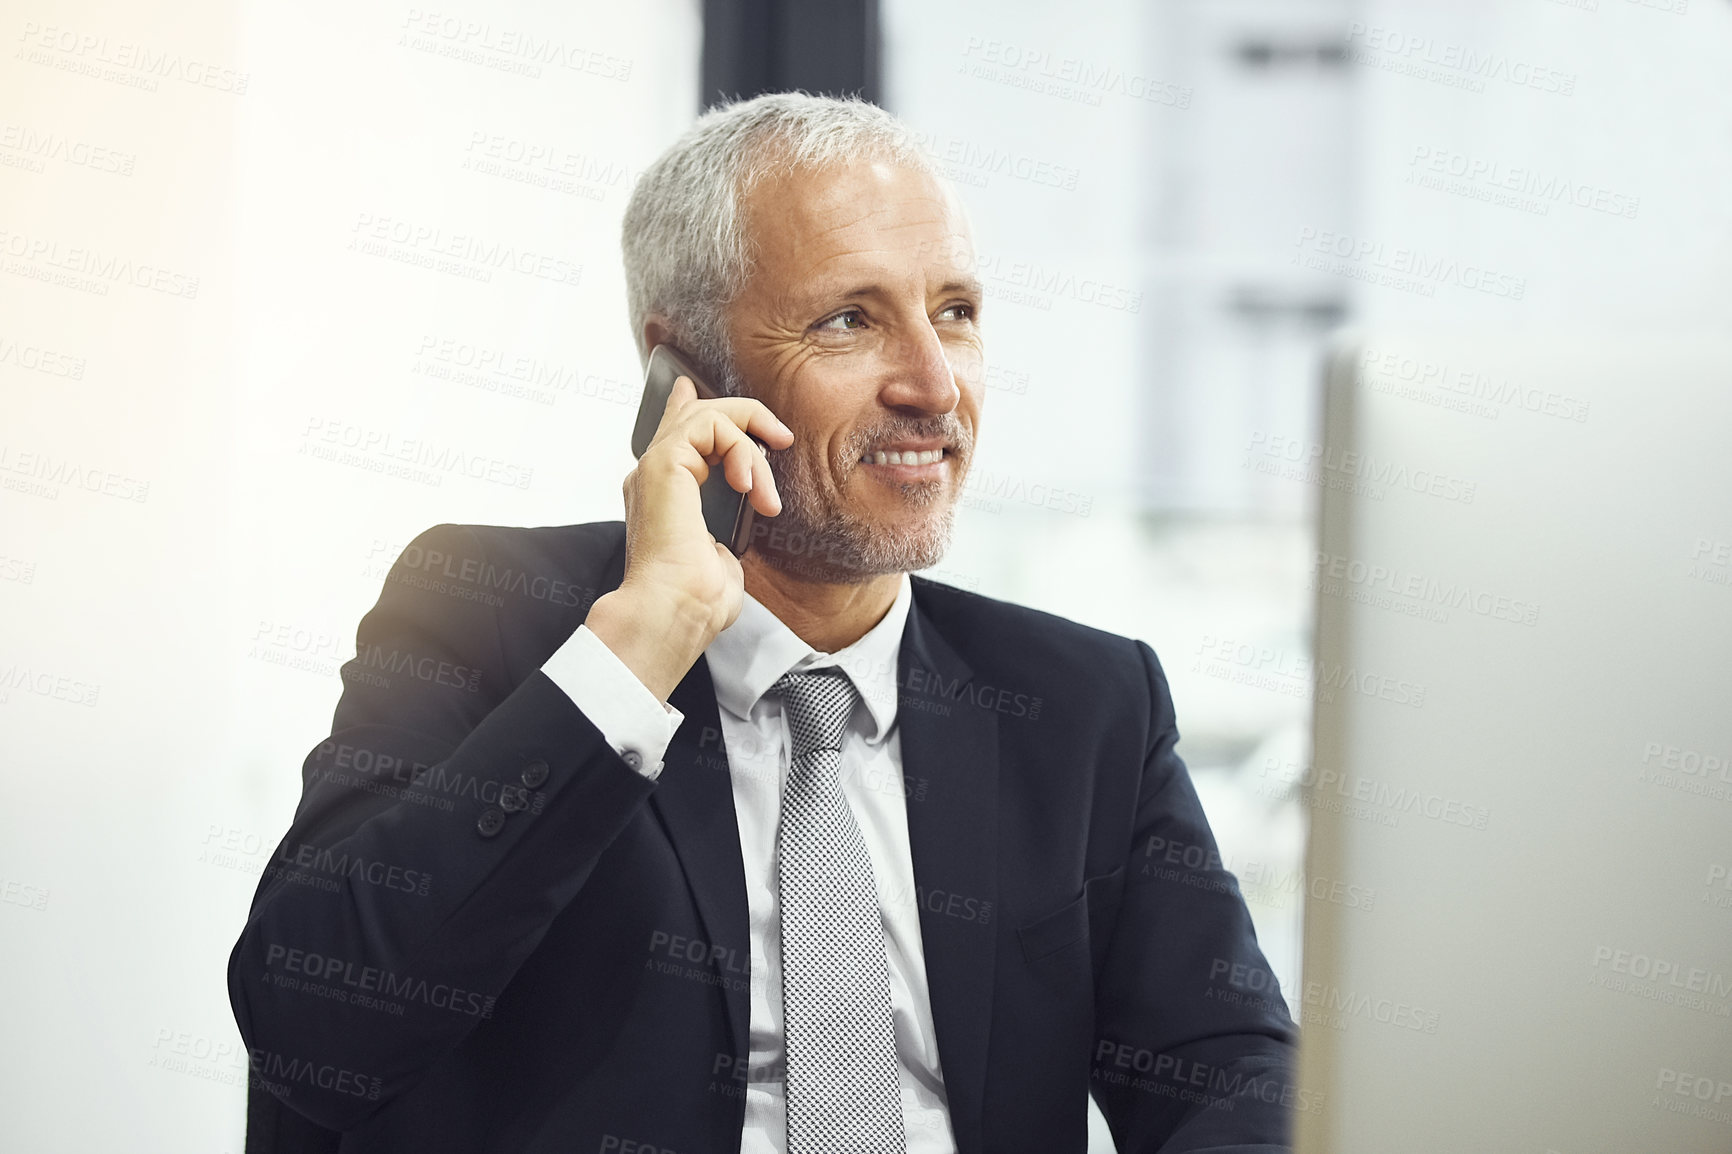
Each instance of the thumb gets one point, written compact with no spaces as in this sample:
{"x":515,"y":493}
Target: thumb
{"x":682,"y":394}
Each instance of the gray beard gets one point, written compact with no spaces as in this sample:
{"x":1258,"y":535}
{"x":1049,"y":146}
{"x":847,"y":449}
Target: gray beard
{"x":818,"y":538}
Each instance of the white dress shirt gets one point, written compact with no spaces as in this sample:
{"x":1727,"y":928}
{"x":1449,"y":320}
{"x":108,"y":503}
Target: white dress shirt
{"x":745,"y":660}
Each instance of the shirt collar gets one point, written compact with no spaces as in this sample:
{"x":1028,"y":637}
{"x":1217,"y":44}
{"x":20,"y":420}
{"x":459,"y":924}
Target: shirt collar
{"x":750,"y":656}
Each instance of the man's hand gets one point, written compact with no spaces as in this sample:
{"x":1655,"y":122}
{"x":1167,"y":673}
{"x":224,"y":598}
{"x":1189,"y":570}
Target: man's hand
{"x":682,"y":586}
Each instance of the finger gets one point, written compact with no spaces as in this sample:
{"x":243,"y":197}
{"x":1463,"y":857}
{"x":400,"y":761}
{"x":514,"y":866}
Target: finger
{"x":713,"y":432}
{"x":753,"y":417}
{"x":737,"y":464}
{"x":767,"y":427}
{"x":684,"y":392}
{"x":680,"y":396}
{"x":747,"y":471}
{"x":765,"y":497}
{"x":684,"y":404}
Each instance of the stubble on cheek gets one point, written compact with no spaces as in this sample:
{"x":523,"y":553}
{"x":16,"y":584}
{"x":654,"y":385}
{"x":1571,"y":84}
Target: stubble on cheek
{"x":823,"y":536}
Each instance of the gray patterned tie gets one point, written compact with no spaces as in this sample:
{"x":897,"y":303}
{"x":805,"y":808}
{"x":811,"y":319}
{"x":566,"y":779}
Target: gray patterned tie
{"x":842,"y":1085}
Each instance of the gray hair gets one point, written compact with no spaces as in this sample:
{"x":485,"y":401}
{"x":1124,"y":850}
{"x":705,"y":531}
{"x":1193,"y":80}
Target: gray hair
{"x":687,"y":255}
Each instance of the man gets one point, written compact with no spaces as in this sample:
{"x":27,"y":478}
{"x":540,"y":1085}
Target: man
{"x":620,"y":843}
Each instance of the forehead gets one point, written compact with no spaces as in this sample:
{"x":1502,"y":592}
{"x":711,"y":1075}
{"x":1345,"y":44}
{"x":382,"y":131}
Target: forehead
{"x":853,"y":218}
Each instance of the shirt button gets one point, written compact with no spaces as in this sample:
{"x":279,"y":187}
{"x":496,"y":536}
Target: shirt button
{"x":535,"y":774}
{"x":634,"y":759}
{"x":513,"y":798}
{"x":490,"y":822}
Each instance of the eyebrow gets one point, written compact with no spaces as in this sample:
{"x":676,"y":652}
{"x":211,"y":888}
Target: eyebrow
{"x":968,"y":286}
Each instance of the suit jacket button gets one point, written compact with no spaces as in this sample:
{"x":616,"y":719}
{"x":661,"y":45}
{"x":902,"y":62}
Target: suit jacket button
{"x":513,"y":798}
{"x":490,"y":822}
{"x":535,"y":774}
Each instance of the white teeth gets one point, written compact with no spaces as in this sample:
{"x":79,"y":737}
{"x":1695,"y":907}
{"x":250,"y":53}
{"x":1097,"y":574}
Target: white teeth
{"x":924,"y":457}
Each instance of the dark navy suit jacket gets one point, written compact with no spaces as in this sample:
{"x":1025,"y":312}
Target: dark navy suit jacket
{"x":484,"y":931}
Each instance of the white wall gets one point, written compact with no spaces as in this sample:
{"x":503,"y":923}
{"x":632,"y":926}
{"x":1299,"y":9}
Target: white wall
{"x":1642,"y":128}
{"x":175,"y":610}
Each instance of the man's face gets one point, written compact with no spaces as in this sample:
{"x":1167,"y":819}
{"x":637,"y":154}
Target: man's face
{"x":859,"y":329}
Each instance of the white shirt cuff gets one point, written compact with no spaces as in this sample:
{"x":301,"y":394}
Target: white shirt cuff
{"x":631,"y":719}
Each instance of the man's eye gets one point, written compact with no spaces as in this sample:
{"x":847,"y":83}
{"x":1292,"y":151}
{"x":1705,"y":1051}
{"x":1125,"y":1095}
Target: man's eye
{"x":844,"y":322}
{"x":960,"y":312}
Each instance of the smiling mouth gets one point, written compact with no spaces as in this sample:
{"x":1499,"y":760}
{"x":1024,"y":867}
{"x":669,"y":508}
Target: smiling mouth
{"x":911,"y":457}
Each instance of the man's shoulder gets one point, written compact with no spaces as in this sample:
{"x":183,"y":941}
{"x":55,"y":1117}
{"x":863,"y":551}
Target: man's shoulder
{"x":987,"y":628}
{"x":1039,"y":664}
{"x":567,"y":548}
{"x":562,"y":566}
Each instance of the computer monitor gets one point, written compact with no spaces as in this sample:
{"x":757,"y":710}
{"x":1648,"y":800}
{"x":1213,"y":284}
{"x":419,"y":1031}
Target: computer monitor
{"x":1518,"y":937}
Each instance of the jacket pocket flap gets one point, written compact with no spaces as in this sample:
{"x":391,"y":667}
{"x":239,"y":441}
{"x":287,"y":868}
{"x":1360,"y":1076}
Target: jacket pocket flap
{"x":1055,"y":931}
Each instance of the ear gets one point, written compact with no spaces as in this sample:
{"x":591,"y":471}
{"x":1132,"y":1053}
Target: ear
{"x":657,"y":330}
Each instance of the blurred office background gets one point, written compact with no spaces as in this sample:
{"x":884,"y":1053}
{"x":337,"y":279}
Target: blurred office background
{"x":251,"y":265}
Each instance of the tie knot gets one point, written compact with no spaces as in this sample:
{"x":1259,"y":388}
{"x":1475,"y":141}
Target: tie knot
{"x":819,"y":705}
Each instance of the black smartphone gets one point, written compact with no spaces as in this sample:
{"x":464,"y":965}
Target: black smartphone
{"x":727,"y":513}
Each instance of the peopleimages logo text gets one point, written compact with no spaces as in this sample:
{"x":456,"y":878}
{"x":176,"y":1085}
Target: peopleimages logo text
{"x":1359,"y":252}
{"x":1336,"y":567}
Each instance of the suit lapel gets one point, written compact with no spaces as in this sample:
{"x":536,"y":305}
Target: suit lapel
{"x":695,"y":799}
{"x":950,"y":747}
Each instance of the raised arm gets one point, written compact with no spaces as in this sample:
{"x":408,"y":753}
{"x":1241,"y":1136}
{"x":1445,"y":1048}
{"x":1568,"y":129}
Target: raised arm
{"x":456,"y":808}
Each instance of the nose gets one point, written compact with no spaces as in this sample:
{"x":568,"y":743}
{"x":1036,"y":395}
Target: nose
{"x":920,"y":376}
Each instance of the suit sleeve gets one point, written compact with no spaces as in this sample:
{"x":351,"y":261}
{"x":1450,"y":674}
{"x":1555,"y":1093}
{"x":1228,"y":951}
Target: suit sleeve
{"x":1194,"y":1044}
{"x":453,"y":812}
